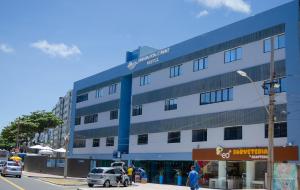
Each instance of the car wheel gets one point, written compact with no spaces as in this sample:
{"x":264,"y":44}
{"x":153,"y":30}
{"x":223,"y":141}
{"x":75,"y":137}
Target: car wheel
{"x":125,"y":183}
{"x":20,"y":176}
{"x":91,"y":185}
{"x":106,"y":183}
{"x":3,"y":175}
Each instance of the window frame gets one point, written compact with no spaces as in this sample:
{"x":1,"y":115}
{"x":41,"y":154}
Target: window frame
{"x":110,"y":141}
{"x":239,"y":133}
{"x":144,"y":80}
{"x":96,"y":143}
{"x":172,"y":140}
{"x":200,"y":62}
{"x":202,"y":137}
{"x":114,"y":114}
{"x":93,"y":118}
{"x":77,"y":119}
{"x":137,"y":110}
{"x":280,"y":81}
{"x":175,"y":71}
{"x":79,"y":143}
{"x":142,"y":137}
{"x":99,"y":93}
{"x":82,"y":98}
{"x":171,"y":104}
{"x":112,"y":89}
{"x":216,"y":96}
{"x":280,"y":130}
{"x":234,"y":54}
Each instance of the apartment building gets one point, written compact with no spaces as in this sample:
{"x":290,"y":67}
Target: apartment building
{"x":164,"y":109}
{"x":62,"y":110}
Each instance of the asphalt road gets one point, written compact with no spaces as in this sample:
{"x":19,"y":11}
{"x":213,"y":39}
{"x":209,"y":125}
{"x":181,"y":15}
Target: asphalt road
{"x":26,"y":183}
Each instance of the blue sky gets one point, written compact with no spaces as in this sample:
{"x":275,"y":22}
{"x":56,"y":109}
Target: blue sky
{"x":47,"y":45}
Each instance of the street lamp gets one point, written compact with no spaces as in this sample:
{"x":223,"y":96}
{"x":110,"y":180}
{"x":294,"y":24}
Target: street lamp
{"x":261,"y":98}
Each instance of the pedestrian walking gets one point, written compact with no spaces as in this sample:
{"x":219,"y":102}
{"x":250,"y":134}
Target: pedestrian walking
{"x":192,"y":180}
{"x":129,"y":173}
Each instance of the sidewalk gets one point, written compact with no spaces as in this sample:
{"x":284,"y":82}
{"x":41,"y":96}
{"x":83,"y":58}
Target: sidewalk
{"x":140,"y":186}
{"x":57,"y":179}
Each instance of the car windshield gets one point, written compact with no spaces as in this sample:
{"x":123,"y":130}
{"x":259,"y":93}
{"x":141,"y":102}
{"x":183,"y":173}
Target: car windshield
{"x":97,"y":171}
{"x":12,"y":164}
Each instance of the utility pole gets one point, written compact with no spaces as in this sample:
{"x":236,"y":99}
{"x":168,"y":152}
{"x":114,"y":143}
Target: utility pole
{"x":66,"y":155}
{"x":271,"y":118}
{"x":17,"y":137}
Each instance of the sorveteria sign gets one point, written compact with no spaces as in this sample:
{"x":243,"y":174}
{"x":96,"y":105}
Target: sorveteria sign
{"x":253,"y":153}
{"x":150,"y":59}
{"x":246,"y":153}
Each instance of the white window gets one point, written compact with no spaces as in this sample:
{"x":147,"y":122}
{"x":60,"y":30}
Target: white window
{"x":233,"y":55}
{"x":112,"y":89}
{"x":144,"y":80}
{"x":200,"y":64}
{"x":175,"y":71}
{"x":99,"y":93}
{"x":279,"y":42}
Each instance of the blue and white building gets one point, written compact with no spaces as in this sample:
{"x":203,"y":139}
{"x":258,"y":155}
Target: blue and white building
{"x":159,"y":105}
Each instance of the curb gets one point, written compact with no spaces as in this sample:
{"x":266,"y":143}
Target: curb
{"x":65,"y":185}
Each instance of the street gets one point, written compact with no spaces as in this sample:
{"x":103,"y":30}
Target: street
{"x":27,"y":183}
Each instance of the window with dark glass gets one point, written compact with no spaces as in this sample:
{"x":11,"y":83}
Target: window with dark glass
{"x":113,"y":114}
{"x":279,"y":42}
{"x":112,"y":89}
{"x":96,"y":142}
{"x":82,"y":98}
{"x":233,"y":55}
{"x":79,"y":143}
{"x":144,"y":80}
{"x":175,"y":71}
{"x":110,"y":141}
{"x":200,"y":64}
{"x":199,"y":135}
{"x":233,"y":133}
{"x":91,"y":118}
{"x":216,"y":96}
{"x":174,"y":137}
{"x":137,"y":110}
{"x":280,"y":130}
{"x":77,"y":120}
{"x":170,"y":104}
{"x":142,"y":139}
{"x":280,"y":86}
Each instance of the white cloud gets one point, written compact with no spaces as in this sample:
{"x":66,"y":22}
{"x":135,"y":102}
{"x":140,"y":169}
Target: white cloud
{"x":6,"y":49}
{"x":60,"y":50}
{"x":235,"y":5}
{"x":202,"y":13}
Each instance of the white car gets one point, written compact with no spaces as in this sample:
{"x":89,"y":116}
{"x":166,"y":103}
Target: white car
{"x":12,"y":168}
{"x":107,"y":176}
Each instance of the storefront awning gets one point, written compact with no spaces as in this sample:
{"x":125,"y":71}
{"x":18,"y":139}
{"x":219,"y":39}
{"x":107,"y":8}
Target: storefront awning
{"x":289,"y":153}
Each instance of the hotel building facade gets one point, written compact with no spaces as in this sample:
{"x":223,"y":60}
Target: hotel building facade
{"x":164,"y":109}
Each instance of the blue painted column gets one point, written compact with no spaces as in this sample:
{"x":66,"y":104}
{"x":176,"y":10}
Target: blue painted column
{"x":125,"y":107}
{"x":293,"y":73}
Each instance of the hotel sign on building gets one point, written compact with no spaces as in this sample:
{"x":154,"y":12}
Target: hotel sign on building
{"x":246,"y":154}
{"x":149,"y":59}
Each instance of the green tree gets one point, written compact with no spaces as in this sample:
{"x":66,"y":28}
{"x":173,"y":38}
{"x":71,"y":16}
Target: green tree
{"x":44,"y":120}
{"x":24,"y":128}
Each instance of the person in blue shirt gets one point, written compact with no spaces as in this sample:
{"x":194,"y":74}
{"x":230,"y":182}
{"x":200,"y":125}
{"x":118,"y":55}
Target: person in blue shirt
{"x":193,"y":179}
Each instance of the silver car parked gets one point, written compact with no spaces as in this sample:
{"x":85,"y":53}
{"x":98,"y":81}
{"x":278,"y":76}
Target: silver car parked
{"x":12,"y":168}
{"x":107,"y":176}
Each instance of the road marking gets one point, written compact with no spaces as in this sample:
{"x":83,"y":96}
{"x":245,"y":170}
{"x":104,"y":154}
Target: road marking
{"x":11,"y":183}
